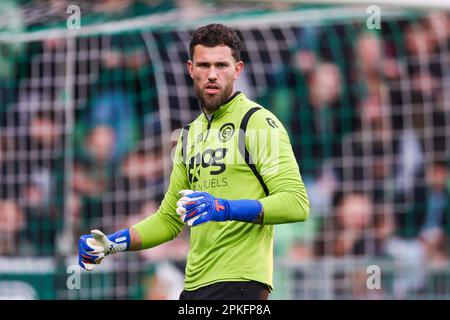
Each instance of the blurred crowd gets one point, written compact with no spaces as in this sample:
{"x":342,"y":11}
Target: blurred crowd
{"x":367,"y":113}
{"x":369,"y":121}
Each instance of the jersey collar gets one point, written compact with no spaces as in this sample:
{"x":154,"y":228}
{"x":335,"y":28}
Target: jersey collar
{"x":224,"y":107}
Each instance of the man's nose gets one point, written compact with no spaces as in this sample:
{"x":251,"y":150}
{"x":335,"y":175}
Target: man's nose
{"x":212,"y":75}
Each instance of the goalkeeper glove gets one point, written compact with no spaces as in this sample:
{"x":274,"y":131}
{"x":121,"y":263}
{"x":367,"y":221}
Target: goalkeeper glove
{"x":195,"y":208}
{"x":94,"y":247}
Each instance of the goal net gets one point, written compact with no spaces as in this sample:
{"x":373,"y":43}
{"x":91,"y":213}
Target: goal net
{"x":89,"y":118}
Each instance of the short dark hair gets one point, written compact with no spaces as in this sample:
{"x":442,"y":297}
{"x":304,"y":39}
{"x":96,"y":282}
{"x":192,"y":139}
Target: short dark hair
{"x":339,"y":196}
{"x":216,"y":34}
{"x":440,"y":163}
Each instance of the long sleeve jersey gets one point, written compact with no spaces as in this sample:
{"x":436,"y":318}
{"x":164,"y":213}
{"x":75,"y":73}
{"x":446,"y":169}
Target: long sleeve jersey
{"x":241,"y":151}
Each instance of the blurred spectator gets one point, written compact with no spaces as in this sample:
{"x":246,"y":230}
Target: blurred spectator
{"x":144,"y":169}
{"x":44,"y":189}
{"x":295,"y":241}
{"x":319,"y":127}
{"x":305,"y":58}
{"x":100,"y":145}
{"x":309,"y":95}
{"x":113,"y":100}
{"x":417,"y":40}
{"x":140,"y":174}
{"x":110,"y":115}
{"x":96,"y":160}
{"x":422,"y":103}
{"x":107,"y":129}
{"x":371,"y":67}
{"x":423,"y":40}
{"x":98,"y":149}
{"x":73,"y":218}
{"x":355,"y":228}
{"x":424,"y":115}
{"x":94,"y":170}
{"x":378,"y":159}
{"x":10,"y":187}
{"x":190,"y":9}
{"x":175,"y":250}
{"x":12,"y":221}
{"x":428,"y":216}
{"x":11,"y":22}
{"x":422,"y":236}
{"x":5,"y":146}
{"x":169,"y":260}
{"x":32,"y":173}
{"x":438,"y":23}
{"x":288,"y":83}
{"x":321,"y":120}
{"x":424,"y":70}
{"x":47,"y":129}
{"x":165,"y":283}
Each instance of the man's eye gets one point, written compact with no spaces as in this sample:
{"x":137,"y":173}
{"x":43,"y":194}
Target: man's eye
{"x":222,"y":65}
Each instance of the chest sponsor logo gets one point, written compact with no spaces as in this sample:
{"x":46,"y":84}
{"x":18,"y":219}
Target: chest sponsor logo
{"x":209,"y":158}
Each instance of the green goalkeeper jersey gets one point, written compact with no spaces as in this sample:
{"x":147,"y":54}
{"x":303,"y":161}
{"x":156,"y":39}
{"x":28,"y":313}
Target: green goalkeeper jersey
{"x":241,"y":151}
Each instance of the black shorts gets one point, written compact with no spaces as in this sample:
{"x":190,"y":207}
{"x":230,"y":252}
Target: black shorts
{"x":229,"y":290}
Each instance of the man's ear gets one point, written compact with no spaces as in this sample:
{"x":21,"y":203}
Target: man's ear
{"x":238,"y":69}
{"x":190,"y":66}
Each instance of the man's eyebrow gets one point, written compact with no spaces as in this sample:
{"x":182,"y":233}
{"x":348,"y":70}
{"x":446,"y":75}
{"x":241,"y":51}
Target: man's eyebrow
{"x":216,"y":62}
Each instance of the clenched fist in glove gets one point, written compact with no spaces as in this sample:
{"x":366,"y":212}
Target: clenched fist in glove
{"x":93,"y":248}
{"x":197,"y":207}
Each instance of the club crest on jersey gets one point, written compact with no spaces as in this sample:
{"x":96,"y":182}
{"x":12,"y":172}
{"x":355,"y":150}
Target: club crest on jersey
{"x":226,"y":131}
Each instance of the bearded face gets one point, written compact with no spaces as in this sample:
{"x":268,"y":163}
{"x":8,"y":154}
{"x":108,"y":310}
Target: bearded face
{"x":214,"y":71}
{"x":212,"y":95}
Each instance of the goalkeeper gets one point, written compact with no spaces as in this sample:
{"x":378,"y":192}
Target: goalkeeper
{"x":234,"y":177}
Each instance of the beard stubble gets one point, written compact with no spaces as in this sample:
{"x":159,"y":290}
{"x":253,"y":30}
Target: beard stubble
{"x":211,"y":103}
